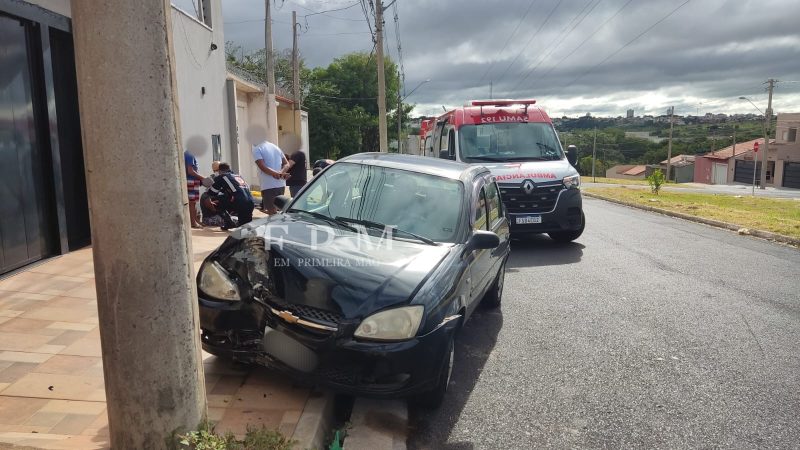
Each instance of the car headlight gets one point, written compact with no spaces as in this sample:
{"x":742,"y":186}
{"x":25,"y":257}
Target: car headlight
{"x":572,"y":182}
{"x":215,"y":281}
{"x":391,"y":325}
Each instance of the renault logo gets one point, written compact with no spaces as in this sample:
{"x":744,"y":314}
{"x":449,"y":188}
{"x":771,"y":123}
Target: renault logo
{"x":528,"y":187}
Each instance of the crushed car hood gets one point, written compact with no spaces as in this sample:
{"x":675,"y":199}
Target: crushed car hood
{"x":338,"y":270}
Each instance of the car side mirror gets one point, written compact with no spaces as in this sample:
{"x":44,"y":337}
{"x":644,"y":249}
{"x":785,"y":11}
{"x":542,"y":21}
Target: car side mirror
{"x":483,"y":240}
{"x":281,"y":201}
{"x":572,"y":156}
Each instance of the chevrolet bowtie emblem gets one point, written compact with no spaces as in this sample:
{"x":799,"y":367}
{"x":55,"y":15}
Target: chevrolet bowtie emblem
{"x":528,"y":187}
{"x":288,"y":316}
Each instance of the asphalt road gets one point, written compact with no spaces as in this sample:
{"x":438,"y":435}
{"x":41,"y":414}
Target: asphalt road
{"x":648,"y":331}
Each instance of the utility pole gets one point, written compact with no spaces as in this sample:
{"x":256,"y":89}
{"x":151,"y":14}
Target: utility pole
{"x":295,"y":64}
{"x":399,"y":117}
{"x":269,"y":62}
{"x":383,"y":136}
{"x":767,"y":125}
{"x":490,"y":90}
{"x":594,"y":155}
{"x":146,"y":298}
{"x":669,"y":145}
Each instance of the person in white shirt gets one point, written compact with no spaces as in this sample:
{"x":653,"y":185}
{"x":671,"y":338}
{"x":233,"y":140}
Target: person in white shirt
{"x":271,"y":175}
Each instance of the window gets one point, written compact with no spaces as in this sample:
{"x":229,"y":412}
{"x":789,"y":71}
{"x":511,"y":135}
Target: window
{"x":479,"y":212}
{"x":426,"y":205}
{"x":509,"y":142}
{"x":493,"y":204}
{"x":792,"y":135}
{"x":199,"y":9}
{"x":216,"y":147}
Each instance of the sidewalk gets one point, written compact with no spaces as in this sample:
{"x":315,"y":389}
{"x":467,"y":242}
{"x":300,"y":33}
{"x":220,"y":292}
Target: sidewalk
{"x":51,"y":373}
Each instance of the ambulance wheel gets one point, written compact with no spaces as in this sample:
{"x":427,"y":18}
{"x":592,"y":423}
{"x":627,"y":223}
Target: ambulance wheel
{"x":568,"y":236}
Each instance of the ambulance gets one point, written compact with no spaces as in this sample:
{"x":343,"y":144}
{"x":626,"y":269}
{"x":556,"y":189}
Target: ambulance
{"x":516,"y":140}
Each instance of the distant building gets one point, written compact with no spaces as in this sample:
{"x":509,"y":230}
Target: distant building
{"x":626,"y":171}
{"x":681,"y":168}
{"x":629,"y":114}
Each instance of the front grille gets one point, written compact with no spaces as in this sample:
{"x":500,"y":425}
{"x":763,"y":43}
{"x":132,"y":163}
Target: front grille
{"x":315,"y":314}
{"x":348,"y":375}
{"x":542,"y":199}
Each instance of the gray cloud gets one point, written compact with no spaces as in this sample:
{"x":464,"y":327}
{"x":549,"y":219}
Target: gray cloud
{"x":702,"y":58}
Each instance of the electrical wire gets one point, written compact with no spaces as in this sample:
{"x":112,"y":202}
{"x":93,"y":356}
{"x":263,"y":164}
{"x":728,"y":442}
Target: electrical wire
{"x":560,"y":39}
{"x":491,"y":66}
{"x":547,"y":19}
{"x":627,"y":43}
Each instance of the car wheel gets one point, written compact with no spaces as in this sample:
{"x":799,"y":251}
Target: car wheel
{"x":433,"y":399}
{"x":569,"y":236}
{"x":494,"y":296}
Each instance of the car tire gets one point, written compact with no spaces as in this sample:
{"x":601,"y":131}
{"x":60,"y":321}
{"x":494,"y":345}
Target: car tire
{"x":433,"y":399}
{"x":568,"y":236}
{"x":494,"y":295}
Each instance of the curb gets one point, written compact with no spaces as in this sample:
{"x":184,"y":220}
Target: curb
{"x":714,"y":223}
{"x":314,"y":425}
{"x":377,"y":424}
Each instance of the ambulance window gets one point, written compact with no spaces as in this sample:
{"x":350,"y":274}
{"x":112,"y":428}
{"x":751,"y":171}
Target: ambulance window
{"x":443,"y":151}
{"x":451,"y":143}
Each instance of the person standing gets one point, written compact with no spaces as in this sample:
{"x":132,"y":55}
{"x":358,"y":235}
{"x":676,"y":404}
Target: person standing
{"x":193,"y":182}
{"x":298,"y":174}
{"x":271,"y":176}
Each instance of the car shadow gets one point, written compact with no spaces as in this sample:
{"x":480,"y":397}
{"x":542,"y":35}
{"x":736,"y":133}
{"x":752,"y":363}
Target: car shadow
{"x":430,"y":429}
{"x":540,"y":250}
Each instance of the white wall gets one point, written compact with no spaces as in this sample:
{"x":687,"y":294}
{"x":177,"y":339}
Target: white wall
{"x":198,"y":67}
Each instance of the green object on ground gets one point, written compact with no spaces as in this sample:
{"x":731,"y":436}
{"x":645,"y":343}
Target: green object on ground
{"x":337,"y":443}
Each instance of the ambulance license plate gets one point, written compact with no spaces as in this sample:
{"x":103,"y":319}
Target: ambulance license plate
{"x":522,"y":220}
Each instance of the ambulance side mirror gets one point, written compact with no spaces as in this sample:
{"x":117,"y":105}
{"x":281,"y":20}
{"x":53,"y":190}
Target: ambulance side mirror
{"x":572,"y":155}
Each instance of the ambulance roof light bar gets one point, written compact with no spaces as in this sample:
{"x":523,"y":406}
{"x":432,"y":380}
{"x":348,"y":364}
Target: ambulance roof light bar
{"x":503,"y":102}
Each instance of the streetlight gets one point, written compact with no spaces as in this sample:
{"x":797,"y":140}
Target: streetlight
{"x":766,"y":143}
{"x":400,"y":110}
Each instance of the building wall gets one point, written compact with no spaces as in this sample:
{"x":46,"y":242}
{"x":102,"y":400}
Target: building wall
{"x":703,"y":169}
{"x":785,"y":122}
{"x":684,"y":174}
{"x":199,"y":68}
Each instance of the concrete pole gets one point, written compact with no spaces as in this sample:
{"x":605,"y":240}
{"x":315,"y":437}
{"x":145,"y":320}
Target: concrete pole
{"x":295,"y":64}
{"x":594,"y":155}
{"x":146,"y":295}
{"x":767,"y":126}
{"x":399,"y":119}
{"x":269,"y":62}
{"x":669,"y":145}
{"x":383,"y":131}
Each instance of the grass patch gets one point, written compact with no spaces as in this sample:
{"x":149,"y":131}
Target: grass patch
{"x":642,"y":182}
{"x":780,"y":216}
{"x":256,"y":438}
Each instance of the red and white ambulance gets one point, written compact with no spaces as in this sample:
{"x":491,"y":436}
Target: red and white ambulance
{"x":516,"y":140}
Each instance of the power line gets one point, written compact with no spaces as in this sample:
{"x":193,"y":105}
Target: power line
{"x":547,"y":19}
{"x":491,"y":66}
{"x":560,"y":40}
{"x":558,"y":64}
{"x":627,"y":43}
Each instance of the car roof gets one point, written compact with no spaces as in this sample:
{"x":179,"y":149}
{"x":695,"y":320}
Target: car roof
{"x":420,"y":164}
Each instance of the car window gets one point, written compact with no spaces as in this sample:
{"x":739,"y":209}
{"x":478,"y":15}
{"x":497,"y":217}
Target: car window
{"x":479,"y":212}
{"x":493,"y":204}
{"x":427,"y":205}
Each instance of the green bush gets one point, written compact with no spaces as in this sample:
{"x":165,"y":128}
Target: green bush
{"x":656,"y":179}
{"x":205,"y":438}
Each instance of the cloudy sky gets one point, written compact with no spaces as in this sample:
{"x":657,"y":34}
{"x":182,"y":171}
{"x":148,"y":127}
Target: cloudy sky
{"x":573,"y":56}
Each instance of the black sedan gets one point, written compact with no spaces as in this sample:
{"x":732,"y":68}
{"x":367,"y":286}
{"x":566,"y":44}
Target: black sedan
{"x":364,"y":280}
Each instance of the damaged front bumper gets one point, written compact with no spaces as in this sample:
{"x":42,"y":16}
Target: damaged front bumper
{"x":254,"y":333}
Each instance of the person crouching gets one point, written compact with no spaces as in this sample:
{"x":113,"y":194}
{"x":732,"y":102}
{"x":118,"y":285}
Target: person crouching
{"x":233,"y":194}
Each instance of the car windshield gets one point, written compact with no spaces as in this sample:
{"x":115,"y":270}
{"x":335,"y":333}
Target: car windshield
{"x":509,"y":142}
{"x":418,"y":204}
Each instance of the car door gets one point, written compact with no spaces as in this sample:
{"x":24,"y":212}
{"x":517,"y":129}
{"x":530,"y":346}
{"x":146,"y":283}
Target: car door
{"x":481,"y":260}
{"x":498,"y":223}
